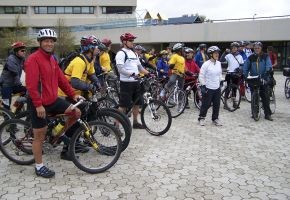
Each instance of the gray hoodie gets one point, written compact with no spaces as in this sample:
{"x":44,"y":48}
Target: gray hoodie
{"x":12,"y":71}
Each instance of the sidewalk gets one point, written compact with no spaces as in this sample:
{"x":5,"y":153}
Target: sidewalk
{"x":243,"y":159}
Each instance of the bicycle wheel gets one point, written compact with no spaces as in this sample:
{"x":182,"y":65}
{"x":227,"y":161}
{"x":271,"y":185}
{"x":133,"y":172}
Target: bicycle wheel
{"x":176,"y":102}
{"x":272,"y":100}
{"x":104,"y":145}
{"x":287,"y":88}
{"x":255,"y":106}
{"x":156,"y":117}
{"x":247,"y":92}
{"x":5,"y":114}
{"x":106,"y":102}
{"x":232,"y":98}
{"x":113,"y":94}
{"x":119,"y":121}
{"x":16,"y":138}
{"x":198,"y":98}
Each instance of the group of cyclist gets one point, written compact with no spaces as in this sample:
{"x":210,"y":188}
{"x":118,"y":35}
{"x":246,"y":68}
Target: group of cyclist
{"x":53,"y":91}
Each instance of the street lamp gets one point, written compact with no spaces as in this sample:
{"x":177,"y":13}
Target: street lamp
{"x":254,"y":16}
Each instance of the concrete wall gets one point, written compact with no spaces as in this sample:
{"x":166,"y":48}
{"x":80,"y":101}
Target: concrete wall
{"x":257,"y":30}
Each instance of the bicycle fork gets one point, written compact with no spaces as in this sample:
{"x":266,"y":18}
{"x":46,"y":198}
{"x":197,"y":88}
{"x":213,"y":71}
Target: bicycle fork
{"x":88,"y":134}
{"x":148,"y":98}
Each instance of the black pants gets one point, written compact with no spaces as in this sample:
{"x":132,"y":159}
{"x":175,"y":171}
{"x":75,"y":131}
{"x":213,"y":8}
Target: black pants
{"x":210,"y":97}
{"x":264,"y":94}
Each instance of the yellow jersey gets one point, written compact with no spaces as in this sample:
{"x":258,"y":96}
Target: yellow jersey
{"x":179,"y":64}
{"x":78,"y":68}
{"x":105,"y":61}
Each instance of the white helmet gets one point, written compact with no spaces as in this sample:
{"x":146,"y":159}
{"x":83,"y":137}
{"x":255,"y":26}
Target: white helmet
{"x":46,"y":33}
{"x":177,"y":46}
{"x":212,"y":49}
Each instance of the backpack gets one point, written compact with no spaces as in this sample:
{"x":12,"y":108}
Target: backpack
{"x":64,"y":63}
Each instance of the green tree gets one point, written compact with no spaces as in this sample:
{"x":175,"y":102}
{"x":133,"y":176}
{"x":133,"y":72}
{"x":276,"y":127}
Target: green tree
{"x":9,"y":35}
{"x":65,"y":39}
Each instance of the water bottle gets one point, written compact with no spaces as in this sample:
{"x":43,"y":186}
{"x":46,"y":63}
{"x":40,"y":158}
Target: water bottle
{"x":58,"y":129}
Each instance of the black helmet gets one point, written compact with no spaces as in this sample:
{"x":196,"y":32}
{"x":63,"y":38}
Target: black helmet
{"x":202,"y":46}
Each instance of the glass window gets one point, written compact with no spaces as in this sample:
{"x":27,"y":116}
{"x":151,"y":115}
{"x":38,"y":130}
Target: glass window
{"x":2,"y":10}
{"x":12,"y":9}
{"x":9,"y":10}
{"x":17,"y":9}
{"x":76,"y":10}
{"x":117,"y":10}
{"x":68,"y":10}
{"x":42,"y":10}
{"x":91,"y":10}
{"x":36,"y":10}
{"x":60,"y":9}
{"x":86,"y":10}
{"x":51,"y":10}
{"x":24,"y":10}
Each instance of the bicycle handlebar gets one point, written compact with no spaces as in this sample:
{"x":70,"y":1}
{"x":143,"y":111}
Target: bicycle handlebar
{"x":76,"y":104}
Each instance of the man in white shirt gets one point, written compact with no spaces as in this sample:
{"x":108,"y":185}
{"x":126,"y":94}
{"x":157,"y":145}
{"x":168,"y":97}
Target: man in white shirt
{"x":129,"y":66}
{"x":235,"y":64}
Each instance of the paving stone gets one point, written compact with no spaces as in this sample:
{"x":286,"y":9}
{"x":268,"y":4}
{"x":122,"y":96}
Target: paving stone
{"x":243,"y":159}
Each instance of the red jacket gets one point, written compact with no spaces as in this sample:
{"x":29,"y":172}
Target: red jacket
{"x":192,"y":67}
{"x":41,"y":67}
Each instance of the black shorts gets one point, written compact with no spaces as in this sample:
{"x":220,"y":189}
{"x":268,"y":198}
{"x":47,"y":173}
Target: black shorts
{"x":57,"y":107}
{"x":129,"y":93}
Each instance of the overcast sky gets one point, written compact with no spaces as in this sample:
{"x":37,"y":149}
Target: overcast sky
{"x":216,"y":9}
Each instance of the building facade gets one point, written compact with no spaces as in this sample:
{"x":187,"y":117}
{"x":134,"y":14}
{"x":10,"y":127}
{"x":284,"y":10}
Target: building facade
{"x":42,"y":13}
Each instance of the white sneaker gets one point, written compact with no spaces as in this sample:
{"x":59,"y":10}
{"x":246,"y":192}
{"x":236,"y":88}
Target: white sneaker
{"x":217,"y":122}
{"x":202,"y":122}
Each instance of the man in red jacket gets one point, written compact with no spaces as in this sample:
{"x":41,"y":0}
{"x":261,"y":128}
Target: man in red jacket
{"x":43,"y":77}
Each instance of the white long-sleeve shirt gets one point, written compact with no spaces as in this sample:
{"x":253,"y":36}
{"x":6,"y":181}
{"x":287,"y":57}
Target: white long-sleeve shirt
{"x":210,"y":74}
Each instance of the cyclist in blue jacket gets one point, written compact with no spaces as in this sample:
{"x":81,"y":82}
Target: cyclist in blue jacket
{"x":259,"y":63}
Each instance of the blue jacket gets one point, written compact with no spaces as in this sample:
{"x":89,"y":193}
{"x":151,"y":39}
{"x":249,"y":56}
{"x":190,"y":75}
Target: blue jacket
{"x":199,"y":59}
{"x":262,"y":69}
{"x":162,"y":64}
{"x":243,"y":54}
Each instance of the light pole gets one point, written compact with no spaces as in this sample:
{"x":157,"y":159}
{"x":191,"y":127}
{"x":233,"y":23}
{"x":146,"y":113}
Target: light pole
{"x":254,"y":16}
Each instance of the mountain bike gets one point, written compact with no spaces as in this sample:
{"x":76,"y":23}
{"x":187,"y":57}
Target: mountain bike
{"x":231,"y":95}
{"x":102,"y":139}
{"x":155,"y":115}
{"x":255,"y":82}
{"x":176,"y":100}
{"x":286,"y":72}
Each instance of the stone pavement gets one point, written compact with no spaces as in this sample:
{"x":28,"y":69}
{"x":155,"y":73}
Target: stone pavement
{"x":243,"y":159}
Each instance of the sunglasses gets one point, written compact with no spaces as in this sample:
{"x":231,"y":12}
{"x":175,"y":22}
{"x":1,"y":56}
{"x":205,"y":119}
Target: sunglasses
{"x":131,"y":40}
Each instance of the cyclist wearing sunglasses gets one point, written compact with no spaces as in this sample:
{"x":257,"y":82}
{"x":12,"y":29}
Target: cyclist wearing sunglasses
{"x":10,"y":77}
{"x":129,"y":66}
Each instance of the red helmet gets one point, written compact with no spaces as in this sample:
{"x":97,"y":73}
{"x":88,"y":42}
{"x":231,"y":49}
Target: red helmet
{"x":17,"y":45}
{"x":127,"y":36}
{"x":89,"y":40}
{"x":106,"y":41}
